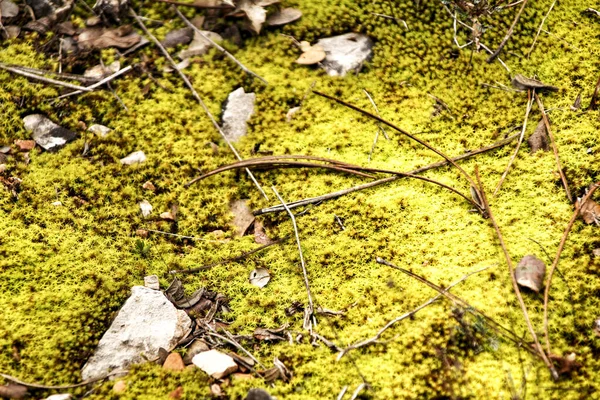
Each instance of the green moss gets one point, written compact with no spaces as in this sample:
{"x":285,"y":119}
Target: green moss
{"x":66,"y":270}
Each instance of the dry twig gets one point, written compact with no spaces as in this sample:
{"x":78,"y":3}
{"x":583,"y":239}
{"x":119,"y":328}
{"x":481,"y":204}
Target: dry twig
{"x":196,"y":96}
{"x":31,"y":75}
{"x":563,"y":178}
{"x":217,"y":46}
{"x":374,"y":339}
{"x":538,"y":347}
{"x":99,"y":83}
{"x":59,"y":387}
{"x":508,"y":34}
{"x":561,"y":245}
{"x":540,"y":28}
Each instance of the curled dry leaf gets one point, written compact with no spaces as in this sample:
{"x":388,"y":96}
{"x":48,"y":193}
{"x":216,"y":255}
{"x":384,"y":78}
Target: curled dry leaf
{"x":539,"y":138}
{"x":12,"y":391}
{"x":590,"y":212}
{"x":311,"y":54}
{"x":242,"y":216}
{"x":565,"y":364}
{"x":177,"y":37}
{"x":522,"y":83}
{"x":122,"y":37}
{"x":112,"y":9}
{"x":8,"y":9}
{"x":260,"y":277}
{"x":530,"y":272}
{"x":46,"y":133}
{"x":279,"y":371}
{"x":284,"y":16}
{"x":254,"y":11}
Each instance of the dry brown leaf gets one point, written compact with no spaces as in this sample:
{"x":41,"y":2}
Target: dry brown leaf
{"x":122,"y":37}
{"x":270,"y":334}
{"x":254,"y":11}
{"x":311,"y":54}
{"x":523,"y":83}
{"x":590,"y":212}
{"x":530,"y":272}
{"x":539,"y":138}
{"x":8,"y":9}
{"x":284,"y":16}
{"x":12,"y":391}
{"x":260,"y":236}
{"x":242,"y":216}
{"x":566,"y":364}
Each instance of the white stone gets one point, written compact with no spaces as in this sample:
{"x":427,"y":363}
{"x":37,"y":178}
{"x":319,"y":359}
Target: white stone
{"x":215,"y":363}
{"x":46,"y":133}
{"x":57,"y":204}
{"x":151,"y":281}
{"x":100,"y":130}
{"x":134,"y":158}
{"x":345,"y":53}
{"x":238,"y":109}
{"x":146,"y":208}
{"x":198,"y":346}
{"x":62,"y":396}
{"x":146,"y":322}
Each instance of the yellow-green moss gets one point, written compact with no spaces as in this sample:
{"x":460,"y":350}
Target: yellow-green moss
{"x":66,"y":270}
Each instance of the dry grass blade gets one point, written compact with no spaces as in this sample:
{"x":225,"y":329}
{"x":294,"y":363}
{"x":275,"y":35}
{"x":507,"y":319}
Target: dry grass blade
{"x":310,"y":309}
{"x":196,"y":96}
{"x":31,"y":75}
{"x":554,"y":265}
{"x":374,"y":339}
{"x":59,"y":387}
{"x":416,"y":139}
{"x":538,"y":347}
{"x":218,"y":47}
{"x":512,"y":158}
{"x":537,"y":34}
{"x":231,"y":340}
{"x":563,"y":178}
{"x":508,"y":34}
{"x":99,"y":83}
{"x":333,"y":195}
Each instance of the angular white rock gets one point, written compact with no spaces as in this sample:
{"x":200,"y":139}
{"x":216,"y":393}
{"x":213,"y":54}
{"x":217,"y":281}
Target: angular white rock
{"x":151,"y":281}
{"x":215,"y":363}
{"x":134,"y":158}
{"x":238,"y":109}
{"x":99,"y":130}
{"x":345,"y":53}
{"x":146,"y":322}
{"x":46,"y":133}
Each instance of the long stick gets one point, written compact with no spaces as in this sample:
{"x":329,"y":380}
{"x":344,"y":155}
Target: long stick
{"x":513,"y":279}
{"x":217,"y":46}
{"x":563,"y":178}
{"x":561,"y":245}
{"x":100,"y":83}
{"x":508,"y":34}
{"x":540,"y":28}
{"x":333,"y":195}
{"x":44,"y":79}
{"x":60,"y":387}
{"x":304,"y":272}
{"x":512,"y":159}
{"x":196,"y":96}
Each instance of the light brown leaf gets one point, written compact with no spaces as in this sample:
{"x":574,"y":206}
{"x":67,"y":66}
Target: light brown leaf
{"x":539,"y":138}
{"x":122,"y":37}
{"x":523,"y":83}
{"x":284,"y":16}
{"x":590,"y":212}
{"x":311,"y":55}
{"x":530,"y":272}
{"x":255,"y":13}
{"x":242,"y":216}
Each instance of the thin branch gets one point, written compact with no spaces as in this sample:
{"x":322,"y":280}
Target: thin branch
{"x":561,"y":245}
{"x":230,"y":260}
{"x":333,"y":195}
{"x":217,"y":46}
{"x":43,"y":79}
{"x":43,"y":72}
{"x":508,"y":34}
{"x":99,"y":83}
{"x":60,"y":387}
{"x":194,"y":5}
{"x":231,"y":340}
{"x":538,"y":347}
{"x":377,"y":112}
{"x":563,"y":178}
{"x":304,"y":272}
{"x":540,"y":28}
{"x":512,"y":159}
{"x":359,"y":389}
{"x":374,"y":339}
{"x":196,"y":96}
{"x":404,"y":132}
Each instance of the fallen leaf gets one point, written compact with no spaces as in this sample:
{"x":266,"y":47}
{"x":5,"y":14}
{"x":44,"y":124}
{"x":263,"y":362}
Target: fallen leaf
{"x":284,"y":16}
{"x":311,"y":54}
{"x":146,"y":208}
{"x":590,"y":212}
{"x":178,"y":67}
{"x":177,"y":37}
{"x":149,"y":186}
{"x":254,"y":11}
{"x":122,"y":37}
{"x":270,"y":334}
{"x":577,"y":104}
{"x":12,"y":31}
{"x":530,"y":272}
{"x":539,"y":138}
{"x":242,"y":216}
{"x":176,"y":295}
{"x":137,"y":157}
{"x":260,"y":236}
{"x":296,"y":307}
{"x":143,"y":233}
{"x":200,"y":45}
{"x":8,"y":9}
{"x":260,"y":277}
{"x":100,"y":71}
{"x":566,"y":364}
{"x":112,"y":9}
{"x":12,"y":391}
{"x":522,"y":83}
{"x":279,"y":371}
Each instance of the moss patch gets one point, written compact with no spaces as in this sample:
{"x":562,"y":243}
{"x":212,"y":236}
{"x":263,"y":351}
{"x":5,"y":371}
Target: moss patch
{"x":66,"y":270}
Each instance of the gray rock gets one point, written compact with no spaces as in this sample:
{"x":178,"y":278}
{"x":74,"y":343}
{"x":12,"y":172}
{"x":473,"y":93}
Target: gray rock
{"x":100,"y":130}
{"x":345,"y":53}
{"x":46,"y":133}
{"x":214,"y":363}
{"x":146,"y":322}
{"x":237,"y":111}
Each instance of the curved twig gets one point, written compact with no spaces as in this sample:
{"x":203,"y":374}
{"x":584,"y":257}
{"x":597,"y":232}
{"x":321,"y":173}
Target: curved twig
{"x":58,"y":387}
{"x":508,"y":34}
{"x":561,"y":245}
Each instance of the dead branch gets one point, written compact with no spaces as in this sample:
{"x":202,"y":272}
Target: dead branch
{"x":563,"y":178}
{"x":230,"y":260}
{"x":194,"y":5}
{"x":374,"y":339}
{"x":512,"y":159}
{"x":31,"y":75}
{"x":554,"y":266}
{"x":540,"y":28}
{"x":508,"y":34}
{"x":99,"y":83}
{"x":538,"y":347}
{"x":309,"y":310}
{"x":231,"y":340}
{"x":218,"y":47}
{"x":59,"y":387}
{"x":196,"y":96}
{"x":333,"y":195}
